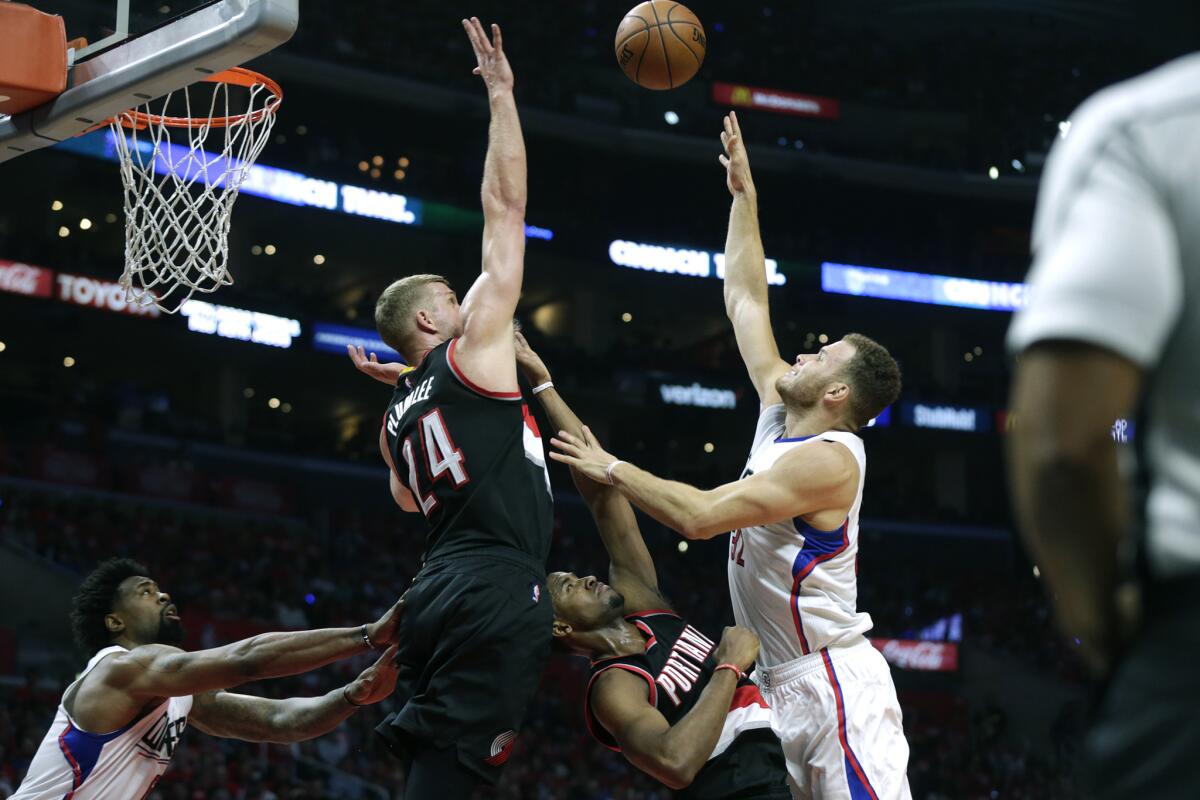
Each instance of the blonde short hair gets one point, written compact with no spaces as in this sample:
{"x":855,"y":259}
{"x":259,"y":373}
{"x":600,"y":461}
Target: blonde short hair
{"x":397,"y":306}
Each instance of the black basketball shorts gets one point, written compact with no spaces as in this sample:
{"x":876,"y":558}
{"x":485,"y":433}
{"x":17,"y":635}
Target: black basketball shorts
{"x":473,"y":641}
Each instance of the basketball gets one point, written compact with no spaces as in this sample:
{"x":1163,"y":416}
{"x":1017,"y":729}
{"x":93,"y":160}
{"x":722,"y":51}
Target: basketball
{"x":660,"y":44}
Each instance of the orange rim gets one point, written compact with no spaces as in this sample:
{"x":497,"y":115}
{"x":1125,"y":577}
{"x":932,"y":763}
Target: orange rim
{"x":237,"y":76}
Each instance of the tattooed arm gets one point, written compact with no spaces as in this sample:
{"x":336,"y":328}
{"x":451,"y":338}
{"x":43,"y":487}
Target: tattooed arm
{"x":258,"y":719}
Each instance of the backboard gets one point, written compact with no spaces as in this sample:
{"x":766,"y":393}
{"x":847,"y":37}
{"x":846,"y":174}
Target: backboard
{"x":142,"y":49}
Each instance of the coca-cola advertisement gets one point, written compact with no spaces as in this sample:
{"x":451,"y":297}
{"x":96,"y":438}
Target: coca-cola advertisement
{"x":918,"y":655}
{"x":25,"y":279}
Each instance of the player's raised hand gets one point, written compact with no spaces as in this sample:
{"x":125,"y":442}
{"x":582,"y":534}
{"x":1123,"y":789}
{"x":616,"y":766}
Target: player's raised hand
{"x":493,"y":64}
{"x":584,"y":455}
{"x":376,"y":682}
{"x":735,"y":160}
{"x":531,"y":363}
{"x":384,"y":373}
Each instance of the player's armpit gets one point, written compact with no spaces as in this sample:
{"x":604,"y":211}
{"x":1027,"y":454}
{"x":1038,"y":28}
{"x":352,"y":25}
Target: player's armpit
{"x":822,"y":476}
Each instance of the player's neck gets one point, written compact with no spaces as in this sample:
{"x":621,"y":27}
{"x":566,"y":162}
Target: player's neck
{"x":415,"y":356}
{"x":810,"y":422}
{"x":621,"y":638}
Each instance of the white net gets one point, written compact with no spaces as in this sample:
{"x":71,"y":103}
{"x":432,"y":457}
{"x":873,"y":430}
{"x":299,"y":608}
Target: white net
{"x":181,"y":176}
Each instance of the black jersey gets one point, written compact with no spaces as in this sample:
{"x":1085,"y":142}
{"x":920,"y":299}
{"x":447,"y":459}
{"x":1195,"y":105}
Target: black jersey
{"x":677,"y":664}
{"x":473,"y":460}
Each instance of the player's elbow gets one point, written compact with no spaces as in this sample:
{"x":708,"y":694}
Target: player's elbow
{"x":676,"y":773}
{"x":695,"y":528}
{"x":500,"y":203}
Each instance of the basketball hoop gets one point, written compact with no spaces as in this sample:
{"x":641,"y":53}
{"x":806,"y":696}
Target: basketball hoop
{"x":179,"y":195}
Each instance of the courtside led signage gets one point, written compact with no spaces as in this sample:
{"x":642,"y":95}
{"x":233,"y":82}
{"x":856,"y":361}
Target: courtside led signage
{"x":918,"y":287}
{"x":25,"y":279}
{"x":945,"y":417}
{"x":238,"y":323}
{"x":802,"y":105}
{"x":80,"y":290}
{"x":697,"y":396}
{"x":679,"y":261}
{"x":272,"y":183}
{"x":331,"y":338}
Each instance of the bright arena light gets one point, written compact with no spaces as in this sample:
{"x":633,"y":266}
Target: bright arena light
{"x":683,"y":546}
{"x":68,"y":362}
{"x":318,"y":259}
{"x":64,"y":232}
{"x":993,"y":172}
{"x":671,"y":117}
{"x":85,"y":224}
{"x":273,"y":402}
{"x":56,"y":205}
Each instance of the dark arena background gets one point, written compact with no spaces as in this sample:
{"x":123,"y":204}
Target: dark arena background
{"x":234,"y":451}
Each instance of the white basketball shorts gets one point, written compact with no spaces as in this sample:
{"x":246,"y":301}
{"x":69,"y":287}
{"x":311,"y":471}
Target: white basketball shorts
{"x":837,"y":715}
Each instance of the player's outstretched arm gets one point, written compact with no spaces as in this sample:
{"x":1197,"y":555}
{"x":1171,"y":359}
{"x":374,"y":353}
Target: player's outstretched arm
{"x":632,"y":570}
{"x":162,"y":671}
{"x":803,"y":481}
{"x":673,"y":754}
{"x":485,"y":352}
{"x":295,"y":719}
{"x":746,"y":270}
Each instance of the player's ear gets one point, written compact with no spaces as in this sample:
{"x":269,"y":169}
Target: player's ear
{"x":113,"y":623}
{"x":837,"y":393}
{"x":425,"y":321}
{"x":561,"y":629}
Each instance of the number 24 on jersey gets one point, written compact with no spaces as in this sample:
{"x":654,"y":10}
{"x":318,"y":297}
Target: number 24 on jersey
{"x":441,"y":458}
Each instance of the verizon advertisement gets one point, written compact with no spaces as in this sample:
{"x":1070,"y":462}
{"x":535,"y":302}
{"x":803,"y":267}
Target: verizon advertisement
{"x":30,"y":281}
{"x":917,"y":655}
{"x":801,"y":105}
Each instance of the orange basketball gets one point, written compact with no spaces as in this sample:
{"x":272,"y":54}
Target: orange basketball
{"x":660,"y":44}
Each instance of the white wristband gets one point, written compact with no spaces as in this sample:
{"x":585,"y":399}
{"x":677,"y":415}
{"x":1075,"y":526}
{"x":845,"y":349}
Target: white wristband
{"x":541,"y":387}
{"x":608,"y":472}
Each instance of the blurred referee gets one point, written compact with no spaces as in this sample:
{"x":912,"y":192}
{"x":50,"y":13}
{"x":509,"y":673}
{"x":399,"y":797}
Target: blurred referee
{"x":1112,"y":330}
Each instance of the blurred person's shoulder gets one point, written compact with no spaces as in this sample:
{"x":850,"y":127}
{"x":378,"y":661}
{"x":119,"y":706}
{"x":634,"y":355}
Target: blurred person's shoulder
{"x":1148,"y":122}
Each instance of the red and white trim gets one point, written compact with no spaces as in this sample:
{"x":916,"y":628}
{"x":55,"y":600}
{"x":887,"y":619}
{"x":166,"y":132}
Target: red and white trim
{"x":76,"y":773}
{"x":856,"y":776}
{"x":467,"y":382}
{"x":598,"y":731}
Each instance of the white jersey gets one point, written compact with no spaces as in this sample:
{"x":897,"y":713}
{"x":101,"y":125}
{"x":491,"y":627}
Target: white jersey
{"x":1116,"y":241}
{"x":122,"y":765}
{"x":793,"y":585}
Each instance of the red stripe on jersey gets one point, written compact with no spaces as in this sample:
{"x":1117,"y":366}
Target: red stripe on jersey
{"x":458,"y":373}
{"x":841,"y":715}
{"x":747,"y":695}
{"x":77,"y":775}
{"x":804,"y":573}
{"x":651,"y":639}
{"x":650,"y":612}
